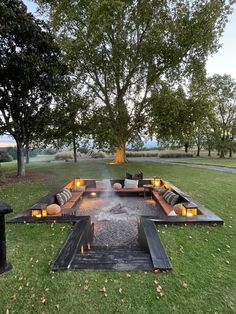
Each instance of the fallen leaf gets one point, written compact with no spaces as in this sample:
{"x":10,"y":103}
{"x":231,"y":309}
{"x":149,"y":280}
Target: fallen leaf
{"x":156,"y":282}
{"x":13,"y":297}
{"x":103,"y":289}
{"x":57,"y":306}
{"x":184,"y":285}
{"x":120,"y":290}
{"x":128,"y":275}
{"x":86,"y":287}
{"x":43,"y":300}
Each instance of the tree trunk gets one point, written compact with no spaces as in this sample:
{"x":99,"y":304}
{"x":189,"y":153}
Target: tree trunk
{"x":209,"y":152}
{"x":120,"y":156}
{"x":74,"y":149}
{"x":198,"y":150}
{"x":20,"y":161}
{"x":186,"y":147}
{"x":222,"y":155}
{"x":230,"y":153}
{"x":27,"y":155}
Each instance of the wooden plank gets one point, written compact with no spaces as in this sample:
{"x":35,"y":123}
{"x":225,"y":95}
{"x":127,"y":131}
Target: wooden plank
{"x":159,"y":257}
{"x":48,"y":219}
{"x":81,"y":228}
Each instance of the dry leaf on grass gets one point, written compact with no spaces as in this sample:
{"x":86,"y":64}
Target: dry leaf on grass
{"x":13,"y":297}
{"x":42,"y":300}
{"x":103,"y":289}
{"x":184,"y":285}
{"x":120,"y":290}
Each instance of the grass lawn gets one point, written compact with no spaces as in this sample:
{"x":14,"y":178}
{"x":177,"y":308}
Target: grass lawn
{"x":227,"y":162}
{"x":203,"y":279}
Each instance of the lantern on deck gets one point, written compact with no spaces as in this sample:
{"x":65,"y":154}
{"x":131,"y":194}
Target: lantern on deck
{"x":156,"y":182}
{"x":189,"y":210}
{"x":39,"y":210}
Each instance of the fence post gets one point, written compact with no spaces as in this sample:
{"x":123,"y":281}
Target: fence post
{"x":4,"y":209}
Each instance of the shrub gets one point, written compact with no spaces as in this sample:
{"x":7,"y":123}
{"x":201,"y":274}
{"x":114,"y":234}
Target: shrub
{"x":98,"y":155}
{"x":142,"y":154}
{"x":5,"y":157}
{"x":175,"y":155}
{"x":64,"y":156}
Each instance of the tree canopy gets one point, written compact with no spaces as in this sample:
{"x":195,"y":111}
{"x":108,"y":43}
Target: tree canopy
{"x":31,"y":72}
{"x":121,"y":49}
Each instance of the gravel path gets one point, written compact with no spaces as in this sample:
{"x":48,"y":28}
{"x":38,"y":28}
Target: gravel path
{"x":116,"y":218}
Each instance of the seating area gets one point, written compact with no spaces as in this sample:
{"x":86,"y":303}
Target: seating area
{"x":172,"y":205}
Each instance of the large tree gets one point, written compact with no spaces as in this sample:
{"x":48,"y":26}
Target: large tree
{"x":30,"y":73}
{"x":223,"y":94}
{"x":179,"y":115}
{"x":120,"y":49}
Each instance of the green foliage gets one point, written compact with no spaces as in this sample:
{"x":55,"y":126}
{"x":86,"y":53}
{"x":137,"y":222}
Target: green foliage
{"x":64,"y":156}
{"x":175,"y":155}
{"x":48,"y":151}
{"x":31,"y":72}
{"x":5,"y":157}
{"x":120,"y":50}
{"x":223,"y":93}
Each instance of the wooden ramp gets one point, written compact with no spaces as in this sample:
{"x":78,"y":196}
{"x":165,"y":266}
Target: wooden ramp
{"x":113,"y":258}
{"x":147,"y":256}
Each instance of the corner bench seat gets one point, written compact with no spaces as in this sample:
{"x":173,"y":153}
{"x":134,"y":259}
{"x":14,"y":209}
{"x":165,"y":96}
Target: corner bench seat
{"x":73,"y":200}
{"x":165,"y":206}
{"x":95,"y":190}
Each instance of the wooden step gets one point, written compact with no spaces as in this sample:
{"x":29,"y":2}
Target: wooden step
{"x":113,"y":259}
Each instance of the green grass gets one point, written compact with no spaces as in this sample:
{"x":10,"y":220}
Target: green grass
{"x":202,"y":257}
{"x":227,"y":162}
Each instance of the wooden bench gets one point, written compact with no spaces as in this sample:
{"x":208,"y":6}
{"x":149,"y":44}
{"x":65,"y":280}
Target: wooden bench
{"x":165,"y":206}
{"x":73,"y":200}
{"x":95,"y":190}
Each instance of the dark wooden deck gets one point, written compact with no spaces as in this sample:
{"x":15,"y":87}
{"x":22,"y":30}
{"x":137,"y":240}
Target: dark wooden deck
{"x":112,"y":259}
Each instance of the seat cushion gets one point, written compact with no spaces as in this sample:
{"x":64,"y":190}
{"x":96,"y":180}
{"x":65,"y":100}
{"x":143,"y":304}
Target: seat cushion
{"x":53,"y":209}
{"x":130,"y":184}
{"x":171,"y":197}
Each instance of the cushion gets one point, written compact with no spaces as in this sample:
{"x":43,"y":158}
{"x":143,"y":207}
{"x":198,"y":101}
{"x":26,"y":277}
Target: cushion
{"x":117,"y":186}
{"x":68,"y":193}
{"x":172,"y":213}
{"x":160,"y":190}
{"x":103,"y":184}
{"x":178,"y":209}
{"x":131,"y":184}
{"x":63,"y":197}
{"x":53,"y":209}
{"x":170,"y":197}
